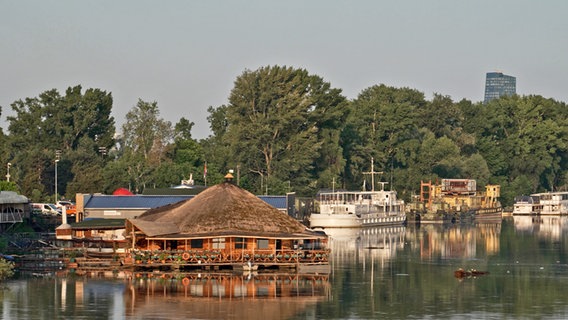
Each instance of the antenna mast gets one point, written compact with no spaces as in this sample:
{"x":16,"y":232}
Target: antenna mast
{"x":373,"y":173}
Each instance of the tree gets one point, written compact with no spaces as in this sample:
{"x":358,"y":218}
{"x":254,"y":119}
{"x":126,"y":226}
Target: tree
{"x":381,"y":125}
{"x":441,"y":116}
{"x":144,"y":133}
{"x":145,"y":143}
{"x":525,"y":136}
{"x":274,"y":123}
{"x":8,"y":186}
{"x":52,"y":126}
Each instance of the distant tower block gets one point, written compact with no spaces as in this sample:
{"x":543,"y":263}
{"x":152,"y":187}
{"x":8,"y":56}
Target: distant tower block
{"x":498,"y":84}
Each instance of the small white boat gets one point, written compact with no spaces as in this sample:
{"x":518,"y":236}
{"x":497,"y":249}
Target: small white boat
{"x":526,"y":205}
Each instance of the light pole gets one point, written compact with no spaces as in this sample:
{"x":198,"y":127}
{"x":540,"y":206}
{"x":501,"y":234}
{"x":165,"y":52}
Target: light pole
{"x":56,"y":161}
{"x":8,"y":173}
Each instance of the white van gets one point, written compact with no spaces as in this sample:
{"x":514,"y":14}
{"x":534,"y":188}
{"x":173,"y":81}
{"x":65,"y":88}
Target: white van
{"x":45,"y":208}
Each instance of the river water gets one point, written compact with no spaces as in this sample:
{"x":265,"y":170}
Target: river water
{"x":378,"y":273}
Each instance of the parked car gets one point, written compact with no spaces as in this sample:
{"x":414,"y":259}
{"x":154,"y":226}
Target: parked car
{"x":62,"y":203}
{"x":71,"y":209}
{"x":45,"y":208}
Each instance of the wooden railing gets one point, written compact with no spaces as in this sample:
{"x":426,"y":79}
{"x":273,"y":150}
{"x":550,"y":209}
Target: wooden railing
{"x":224,"y":257}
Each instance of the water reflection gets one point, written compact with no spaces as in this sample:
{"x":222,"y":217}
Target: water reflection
{"x":549,"y":227}
{"x":362,"y":244}
{"x":127,"y":295}
{"x":224,"y":296}
{"x":455,"y":241}
{"x":392,"y":273}
{"x":431,"y":241}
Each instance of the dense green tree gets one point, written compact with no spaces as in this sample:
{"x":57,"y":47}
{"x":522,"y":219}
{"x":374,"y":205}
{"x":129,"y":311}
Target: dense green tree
{"x":441,"y":116}
{"x":185,"y":158}
{"x":186,"y":150}
{"x":216,"y":150}
{"x":381,"y":125}
{"x":286,"y":130}
{"x":525,"y":136}
{"x":182,"y":129}
{"x":522,"y":139}
{"x":275,"y":125}
{"x":52,"y":127}
{"x":8,"y":186}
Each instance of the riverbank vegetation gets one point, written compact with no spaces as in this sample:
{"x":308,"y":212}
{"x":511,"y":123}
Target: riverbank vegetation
{"x":286,"y":130}
{"x":6,"y":269}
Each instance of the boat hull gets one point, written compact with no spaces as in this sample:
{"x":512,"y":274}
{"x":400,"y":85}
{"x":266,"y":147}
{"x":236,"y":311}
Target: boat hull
{"x":474,"y":215}
{"x":352,"y":221}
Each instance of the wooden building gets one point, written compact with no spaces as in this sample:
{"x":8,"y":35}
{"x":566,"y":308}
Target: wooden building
{"x":224,"y":226}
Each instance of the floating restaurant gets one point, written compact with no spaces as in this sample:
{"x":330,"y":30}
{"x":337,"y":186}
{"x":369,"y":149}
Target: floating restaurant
{"x":223,"y":227}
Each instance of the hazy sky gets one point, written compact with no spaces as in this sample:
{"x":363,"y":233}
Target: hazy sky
{"x":186,"y":54}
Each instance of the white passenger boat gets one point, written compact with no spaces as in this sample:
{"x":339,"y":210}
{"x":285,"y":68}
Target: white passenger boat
{"x":349,"y":209}
{"x":547,"y":203}
{"x":526,"y":205}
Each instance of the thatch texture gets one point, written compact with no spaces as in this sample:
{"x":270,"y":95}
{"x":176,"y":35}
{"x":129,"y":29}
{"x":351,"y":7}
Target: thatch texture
{"x":220,"y":209}
{"x":152,"y":228}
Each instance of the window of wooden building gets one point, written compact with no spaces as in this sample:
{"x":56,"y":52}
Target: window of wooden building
{"x":196,"y":243}
{"x":240,"y":243}
{"x":262,"y":244}
{"x":218,"y":243}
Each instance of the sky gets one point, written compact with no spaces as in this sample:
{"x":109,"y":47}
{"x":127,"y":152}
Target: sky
{"x":186,"y":55}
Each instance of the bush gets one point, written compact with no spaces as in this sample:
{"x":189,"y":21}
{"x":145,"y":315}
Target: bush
{"x":6,"y":269}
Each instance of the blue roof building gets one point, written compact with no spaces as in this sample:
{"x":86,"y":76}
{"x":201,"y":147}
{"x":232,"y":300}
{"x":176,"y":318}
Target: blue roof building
{"x":96,"y":206}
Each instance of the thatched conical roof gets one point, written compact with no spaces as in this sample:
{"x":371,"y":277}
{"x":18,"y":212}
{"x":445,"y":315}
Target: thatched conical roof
{"x":221,"y":209}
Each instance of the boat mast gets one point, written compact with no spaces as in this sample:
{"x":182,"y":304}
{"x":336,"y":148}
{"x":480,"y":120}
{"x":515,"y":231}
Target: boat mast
{"x":333,"y":185}
{"x":373,"y":173}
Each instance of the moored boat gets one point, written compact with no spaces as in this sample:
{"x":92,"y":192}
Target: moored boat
{"x":455,"y":200}
{"x":546,"y":203}
{"x":351,"y":209}
{"x":527,"y":205}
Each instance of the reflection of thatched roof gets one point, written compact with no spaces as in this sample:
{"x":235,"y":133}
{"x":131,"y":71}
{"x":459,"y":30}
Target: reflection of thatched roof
{"x":221,"y":209}
{"x":146,"y":305}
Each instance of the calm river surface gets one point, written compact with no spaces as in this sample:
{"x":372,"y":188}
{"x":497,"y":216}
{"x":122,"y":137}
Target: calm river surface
{"x":379,"y":273}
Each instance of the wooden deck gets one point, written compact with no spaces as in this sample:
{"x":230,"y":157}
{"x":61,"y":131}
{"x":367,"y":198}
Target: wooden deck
{"x":173,"y":260}
{"x":216,"y":260}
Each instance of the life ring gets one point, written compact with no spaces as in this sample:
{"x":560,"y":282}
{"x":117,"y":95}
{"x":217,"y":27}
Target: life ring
{"x":185,"y":256}
{"x":185,"y":281}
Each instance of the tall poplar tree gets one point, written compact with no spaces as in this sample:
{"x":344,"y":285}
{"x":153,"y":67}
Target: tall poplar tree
{"x":145,"y":141}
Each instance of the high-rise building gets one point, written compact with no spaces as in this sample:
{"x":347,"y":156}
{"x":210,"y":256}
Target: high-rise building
{"x":498,"y":84}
